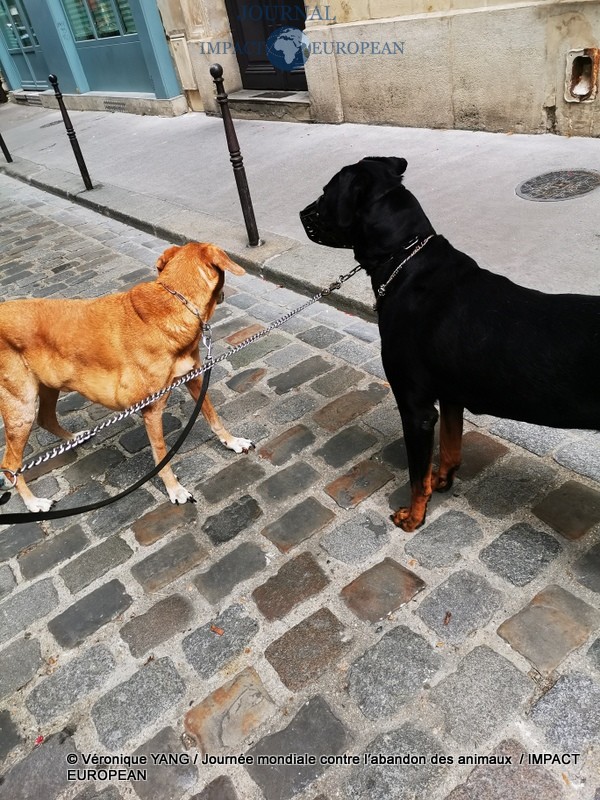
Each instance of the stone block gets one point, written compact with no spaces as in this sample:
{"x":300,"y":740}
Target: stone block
{"x":348,"y":407}
{"x":9,"y":734}
{"x":297,"y":524}
{"x":163,"y":620}
{"x":353,"y":351}
{"x":582,"y":456}
{"x":443,"y":541}
{"x":169,"y":563}
{"x":89,"y":614}
{"x":94,"y":465}
{"x":288,"y":444}
{"x":123,"y":712}
{"x":320,"y":336}
{"x":296,"y":581}
{"x":572,"y":510}
{"x":520,"y":553}
{"x":358,"y":539}
{"x":485,"y":692}
{"x":42,"y":773}
{"x":234,"y":568}
{"x":7,"y":581}
{"x":212,"y":646}
{"x":288,"y":482}
{"x":221,"y":788}
{"x":553,"y":624}
{"x":240,"y":335}
{"x":337,"y":381}
{"x":117,"y":517}
{"x":50,"y":552}
{"x":292,"y":408}
{"x":537,"y":439}
{"x":359,"y":483}
{"x":299,"y":374}
{"x":308,"y":649}
{"x":19,"y":610}
{"x":392,"y":672}
{"x":163,"y":520}
{"x":459,"y":606}
{"x":58,"y":693}
{"x":478,"y":453}
{"x":399,"y":781}
{"x":516,"y":482}
{"x":346,"y":445}
{"x":255,"y":352}
{"x":232,"y":519}
{"x":394,"y":455}
{"x":381,"y":590}
{"x":19,"y":662}
{"x":95,"y":563}
{"x":230,"y":714}
{"x":246,"y":380}
{"x":569,"y":714}
{"x":231,"y":480}
{"x":243,"y":406}
{"x":316,"y":731}
{"x":519,"y":781}
{"x":17,"y":538}
{"x":165,"y":779}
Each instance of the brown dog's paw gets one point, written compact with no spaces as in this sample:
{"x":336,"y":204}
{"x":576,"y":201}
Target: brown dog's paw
{"x":441,"y":483}
{"x":404,"y":519}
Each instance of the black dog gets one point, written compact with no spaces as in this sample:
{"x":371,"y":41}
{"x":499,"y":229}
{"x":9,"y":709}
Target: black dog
{"x":453,"y":332}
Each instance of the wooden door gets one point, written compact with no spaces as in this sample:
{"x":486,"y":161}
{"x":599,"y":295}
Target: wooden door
{"x":252,"y":23}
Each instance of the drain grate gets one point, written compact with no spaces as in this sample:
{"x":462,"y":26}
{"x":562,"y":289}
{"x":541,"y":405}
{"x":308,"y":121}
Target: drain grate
{"x":561,"y":185}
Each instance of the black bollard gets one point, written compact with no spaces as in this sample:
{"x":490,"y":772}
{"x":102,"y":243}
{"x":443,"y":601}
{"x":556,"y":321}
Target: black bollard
{"x":71,"y":133}
{"x":4,"y":148}
{"x":236,"y":158}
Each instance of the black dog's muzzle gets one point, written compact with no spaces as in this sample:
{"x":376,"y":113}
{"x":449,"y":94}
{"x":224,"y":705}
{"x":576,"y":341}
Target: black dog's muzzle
{"x":317,"y":229}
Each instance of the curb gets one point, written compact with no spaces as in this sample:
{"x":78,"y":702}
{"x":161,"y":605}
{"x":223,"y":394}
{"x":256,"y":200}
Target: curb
{"x":179,"y":225}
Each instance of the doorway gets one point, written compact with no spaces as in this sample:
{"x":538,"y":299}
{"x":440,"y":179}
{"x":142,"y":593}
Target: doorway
{"x":23,"y":45}
{"x":252,"y":24}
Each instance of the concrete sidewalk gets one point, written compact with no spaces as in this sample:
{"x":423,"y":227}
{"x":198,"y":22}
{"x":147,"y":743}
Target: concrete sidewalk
{"x":172,"y":177}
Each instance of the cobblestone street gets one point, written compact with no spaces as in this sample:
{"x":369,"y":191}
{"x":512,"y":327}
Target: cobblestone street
{"x":283,"y":614}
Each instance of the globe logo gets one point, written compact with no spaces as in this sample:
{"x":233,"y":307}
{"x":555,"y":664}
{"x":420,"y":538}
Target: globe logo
{"x":288,"y":48}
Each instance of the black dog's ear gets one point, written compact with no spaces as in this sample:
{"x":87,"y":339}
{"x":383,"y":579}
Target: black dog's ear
{"x":397,"y":166}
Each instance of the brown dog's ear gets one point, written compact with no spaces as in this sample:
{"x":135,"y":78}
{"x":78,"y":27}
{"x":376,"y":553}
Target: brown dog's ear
{"x":221,"y":260}
{"x":166,"y":257}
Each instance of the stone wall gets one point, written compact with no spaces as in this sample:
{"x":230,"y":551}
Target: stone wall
{"x":190,"y":27}
{"x":463,"y":64}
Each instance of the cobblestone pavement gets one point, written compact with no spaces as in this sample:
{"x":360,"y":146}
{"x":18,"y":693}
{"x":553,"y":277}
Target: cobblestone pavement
{"x":283,"y":615}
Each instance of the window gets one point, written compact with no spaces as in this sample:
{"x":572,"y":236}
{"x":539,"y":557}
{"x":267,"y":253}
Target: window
{"x":15,"y":26}
{"x":99,"y":19}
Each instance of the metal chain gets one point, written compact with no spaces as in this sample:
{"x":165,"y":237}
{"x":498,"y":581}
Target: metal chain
{"x":85,"y":436}
{"x":382,"y":289}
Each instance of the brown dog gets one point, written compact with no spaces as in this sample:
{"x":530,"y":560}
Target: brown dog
{"x":114,"y":350}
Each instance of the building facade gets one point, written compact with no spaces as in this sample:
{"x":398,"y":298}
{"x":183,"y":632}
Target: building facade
{"x":498,"y":65}
{"x":107,"y":54}
{"x":512,"y":66}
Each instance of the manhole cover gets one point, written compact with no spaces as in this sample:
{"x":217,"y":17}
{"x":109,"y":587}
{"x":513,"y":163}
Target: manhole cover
{"x":559,"y":185}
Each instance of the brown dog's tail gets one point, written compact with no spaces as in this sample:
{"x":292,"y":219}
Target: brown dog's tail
{"x":166,"y":257}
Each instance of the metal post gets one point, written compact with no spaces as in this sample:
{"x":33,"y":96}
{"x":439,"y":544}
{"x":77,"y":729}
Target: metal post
{"x":71,"y":133}
{"x":236,"y":158}
{"x":4,"y":148}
